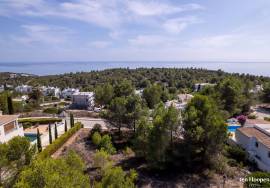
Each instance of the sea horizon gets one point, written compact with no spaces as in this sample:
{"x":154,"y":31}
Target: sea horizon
{"x":43,"y":68}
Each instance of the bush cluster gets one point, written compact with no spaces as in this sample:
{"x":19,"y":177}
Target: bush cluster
{"x":267,"y":118}
{"x":103,"y":142}
{"x":50,"y":149}
{"x":53,"y":110}
{"x":252,"y":116}
{"x":236,"y":155}
{"x":28,"y":122}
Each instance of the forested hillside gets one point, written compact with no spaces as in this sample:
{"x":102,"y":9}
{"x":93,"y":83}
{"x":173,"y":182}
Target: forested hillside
{"x":141,"y":77}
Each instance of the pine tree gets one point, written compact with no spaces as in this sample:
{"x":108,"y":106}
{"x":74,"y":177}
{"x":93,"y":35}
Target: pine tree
{"x":50,"y":134}
{"x":65,"y":125}
{"x":55,"y":132}
{"x":39,"y":146}
{"x":10,"y":105}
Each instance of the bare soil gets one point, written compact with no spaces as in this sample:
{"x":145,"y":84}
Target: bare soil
{"x":81,"y":144}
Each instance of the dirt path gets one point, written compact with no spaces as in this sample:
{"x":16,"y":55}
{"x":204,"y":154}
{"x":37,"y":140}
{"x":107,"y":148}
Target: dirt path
{"x":69,"y":142}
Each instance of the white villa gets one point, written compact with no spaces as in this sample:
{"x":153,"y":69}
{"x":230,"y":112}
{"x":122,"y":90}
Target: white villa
{"x":51,"y":91}
{"x":181,"y":102}
{"x":200,"y":86}
{"x":68,"y":92}
{"x":257,"y":89}
{"x":256,"y":141}
{"x":24,"y":89}
{"x":9,"y":127}
{"x":184,"y":98}
{"x":83,"y":100}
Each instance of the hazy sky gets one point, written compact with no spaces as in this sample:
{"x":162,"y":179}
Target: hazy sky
{"x":87,"y":30}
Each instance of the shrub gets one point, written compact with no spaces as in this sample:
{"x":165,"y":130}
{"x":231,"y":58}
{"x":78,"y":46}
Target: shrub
{"x":128,"y":151}
{"x":51,"y":110}
{"x":107,"y":145}
{"x":27,"y":122}
{"x":50,"y":149}
{"x":267,"y":118}
{"x":242,"y":119}
{"x":96,"y":128}
{"x":27,"y":125}
{"x":55,"y":98}
{"x":232,"y":162}
{"x":101,"y":159}
{"x":236,"y":153}
{"x":96,"y":138}
{"x":252,"y":116}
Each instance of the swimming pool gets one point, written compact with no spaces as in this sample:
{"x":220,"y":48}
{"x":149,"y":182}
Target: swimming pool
{"x":232,"y":128}
{"x":31,"y":136}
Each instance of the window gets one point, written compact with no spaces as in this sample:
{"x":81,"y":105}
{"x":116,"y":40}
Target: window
{"x":258,"y":157}
{"x":256,"y":144}
{"x":269,"y":154}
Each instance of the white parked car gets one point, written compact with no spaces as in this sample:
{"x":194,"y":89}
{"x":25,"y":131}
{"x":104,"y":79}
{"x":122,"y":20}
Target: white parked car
{"x":97,"y":109}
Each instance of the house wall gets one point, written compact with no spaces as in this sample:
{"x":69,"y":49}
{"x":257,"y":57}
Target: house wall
{"x":262,"y":151}
{"x":242,"y":139}
{"x":83,"y":101}
{"x":17,"y":131}
{"x":259,"y":154}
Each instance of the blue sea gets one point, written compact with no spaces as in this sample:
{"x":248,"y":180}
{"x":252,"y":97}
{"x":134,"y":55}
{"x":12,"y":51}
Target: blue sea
{"x":50,"y":68}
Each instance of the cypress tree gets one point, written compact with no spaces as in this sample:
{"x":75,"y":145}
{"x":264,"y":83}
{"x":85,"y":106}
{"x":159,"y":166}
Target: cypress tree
{"x":50,"y":134}
{"x":71,"y":120}
{"x":10,"y":105}
{"x":55,"y":132}
{"x":39,"y":146}
{"x":65,"y":125}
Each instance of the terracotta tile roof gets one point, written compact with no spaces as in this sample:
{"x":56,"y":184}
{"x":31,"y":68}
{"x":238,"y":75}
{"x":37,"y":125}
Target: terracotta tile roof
{"x":253,"y":132}
{"x":7,"y":118}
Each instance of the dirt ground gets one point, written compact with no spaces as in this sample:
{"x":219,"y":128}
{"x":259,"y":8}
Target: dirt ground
{"x":81,"y":143}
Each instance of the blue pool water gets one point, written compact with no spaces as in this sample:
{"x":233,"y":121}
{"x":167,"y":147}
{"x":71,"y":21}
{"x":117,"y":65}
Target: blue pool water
{"x":232,"y":128}
{"x":31,"y":136}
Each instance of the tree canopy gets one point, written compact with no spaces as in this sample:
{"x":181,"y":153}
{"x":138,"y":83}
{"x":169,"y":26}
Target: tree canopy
{"x":204,"y":131}
{"x":54,"y":173}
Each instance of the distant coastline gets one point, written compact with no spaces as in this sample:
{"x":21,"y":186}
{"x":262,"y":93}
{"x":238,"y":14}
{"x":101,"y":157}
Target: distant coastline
{"x":51,"y":68}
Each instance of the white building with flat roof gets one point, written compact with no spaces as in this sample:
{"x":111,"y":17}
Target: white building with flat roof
{"x":181,"y":102}
{"x":256,"y":142}
{"x":83,"y":100}
{"x":68,"y":92}
{"x":50,"y":91}
{"x":24,"y":89}
{"x":9,"y":127}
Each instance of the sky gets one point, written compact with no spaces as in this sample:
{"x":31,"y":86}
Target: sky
{"x":134,"y":30}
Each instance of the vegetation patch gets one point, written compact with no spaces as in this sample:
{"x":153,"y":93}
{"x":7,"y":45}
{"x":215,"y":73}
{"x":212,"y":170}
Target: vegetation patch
{"x":28,"y":122}
{"x":53,"y":110}
{"x":252,"y":116}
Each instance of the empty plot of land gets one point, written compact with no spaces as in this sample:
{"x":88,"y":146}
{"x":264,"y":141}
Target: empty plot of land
{"x":90,"y":122}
